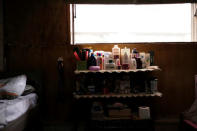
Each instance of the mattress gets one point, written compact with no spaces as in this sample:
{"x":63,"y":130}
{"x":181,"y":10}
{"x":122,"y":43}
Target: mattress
{"x":12,"y":109}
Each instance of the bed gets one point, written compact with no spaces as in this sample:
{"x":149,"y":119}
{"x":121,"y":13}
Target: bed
{"x":23,"y":112}
{"x":188,"y":118}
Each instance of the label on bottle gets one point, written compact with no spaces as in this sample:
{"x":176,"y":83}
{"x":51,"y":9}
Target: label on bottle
{"x":116,"y":53}
{"x":133,"y":64}
{"x":116,"y":56}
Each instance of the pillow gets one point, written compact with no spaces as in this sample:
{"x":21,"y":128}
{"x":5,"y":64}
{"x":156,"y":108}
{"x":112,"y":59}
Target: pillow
{"x":11,"y":88}
{"x":28,"y":89}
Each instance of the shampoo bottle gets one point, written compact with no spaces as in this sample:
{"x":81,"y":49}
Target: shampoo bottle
{"x":116,"y":52}
{"x":125,"y":57}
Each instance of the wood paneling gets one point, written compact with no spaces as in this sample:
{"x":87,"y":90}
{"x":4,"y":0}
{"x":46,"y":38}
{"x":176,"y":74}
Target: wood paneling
{"x":37,"y":33}
{"x":1,"y":35}
{"x":36,"y":23}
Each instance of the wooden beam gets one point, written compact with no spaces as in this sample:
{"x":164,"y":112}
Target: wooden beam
{"x":128,"y":1}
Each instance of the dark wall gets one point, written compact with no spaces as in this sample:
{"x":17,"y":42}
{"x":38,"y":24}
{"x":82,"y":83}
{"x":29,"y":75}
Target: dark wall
{"x":37,"y":33}
{"x":36,"y":22}
{"x":1,"y":35}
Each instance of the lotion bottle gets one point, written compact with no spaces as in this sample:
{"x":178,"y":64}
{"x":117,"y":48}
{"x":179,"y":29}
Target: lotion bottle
{"x":116,"y":52}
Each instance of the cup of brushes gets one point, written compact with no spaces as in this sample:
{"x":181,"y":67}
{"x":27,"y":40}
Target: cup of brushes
{"x":81,"y":56}
{"x":85,"y":59}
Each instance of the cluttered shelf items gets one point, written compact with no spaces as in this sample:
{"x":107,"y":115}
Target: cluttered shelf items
{"x":118,"y":59}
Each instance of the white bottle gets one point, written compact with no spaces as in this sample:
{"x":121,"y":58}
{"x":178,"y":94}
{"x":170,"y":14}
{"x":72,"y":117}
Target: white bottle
{"x":116,"y":52}
{"x":133,"y":64}
{"x":125,"y":58}
{"x":142,"y":57}
{"x":99,"y":61}
{"x":107,"y":57}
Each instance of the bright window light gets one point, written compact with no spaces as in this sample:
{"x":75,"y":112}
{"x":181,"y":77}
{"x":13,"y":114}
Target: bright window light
{"x":132,"y":23}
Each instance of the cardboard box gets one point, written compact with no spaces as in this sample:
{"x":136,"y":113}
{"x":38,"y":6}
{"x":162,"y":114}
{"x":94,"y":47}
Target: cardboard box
{"x":119,"y":113}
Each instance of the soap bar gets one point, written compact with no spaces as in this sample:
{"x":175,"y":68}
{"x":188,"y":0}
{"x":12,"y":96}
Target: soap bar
{"x":94,"y":68}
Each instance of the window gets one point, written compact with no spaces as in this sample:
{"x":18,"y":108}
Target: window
{"x":131,"y":23}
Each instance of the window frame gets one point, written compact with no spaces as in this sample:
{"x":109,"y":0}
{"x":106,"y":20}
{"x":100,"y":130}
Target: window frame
{"x":193,"y":27}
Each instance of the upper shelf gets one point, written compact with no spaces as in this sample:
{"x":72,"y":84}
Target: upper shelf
{"x":150,"y":68}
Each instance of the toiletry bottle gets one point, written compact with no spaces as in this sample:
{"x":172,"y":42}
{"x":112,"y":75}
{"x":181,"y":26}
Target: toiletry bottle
{"x":116,"y":52}
{"x":103,"y":61}
{"x":147,"y":59}
{"x":133,"y":64}
{"x":139,"y":63}
{"x":135,"y":53}
{"x":151,"y":58}
{"x":99,"y":61}
{"x":125,"y":64}
{"x":91,"y":61}
{"x":118,"y":66}
{"x":142,"y":57}
{"x":125,"y":57}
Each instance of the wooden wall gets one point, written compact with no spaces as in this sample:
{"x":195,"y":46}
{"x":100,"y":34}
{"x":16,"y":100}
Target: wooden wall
{"x":1,"y":35}
{"x":36,"y":34}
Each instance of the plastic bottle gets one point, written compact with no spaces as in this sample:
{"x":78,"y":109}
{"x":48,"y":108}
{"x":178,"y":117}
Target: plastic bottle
{"x":107,"y":57}
{"x":99,"y":61}
{"x":116,"y":52}
{"x":91,"y":61}
{"x":118,"y":66}
{"x":142,"y":57}
{"x":133,"y":64}
{"x":125,"y":56}
{"x":135,"y":53}
{"x":103,"y":61}
{"x":151,"y":58}
{"x":147,"y":59}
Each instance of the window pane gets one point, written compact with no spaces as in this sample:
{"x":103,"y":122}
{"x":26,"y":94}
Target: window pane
{"x":132,"y":23}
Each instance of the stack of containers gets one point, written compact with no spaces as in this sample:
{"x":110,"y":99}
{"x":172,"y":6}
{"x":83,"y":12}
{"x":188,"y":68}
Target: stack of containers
{"x":119,"y":59}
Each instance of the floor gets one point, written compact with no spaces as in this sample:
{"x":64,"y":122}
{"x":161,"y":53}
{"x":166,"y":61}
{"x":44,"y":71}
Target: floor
{"x":160,"y":125}
{"x":167,"y":125}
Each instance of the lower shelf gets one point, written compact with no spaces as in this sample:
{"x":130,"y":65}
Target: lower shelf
{"x":158,"y":94}
{"x":121,"y":124}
